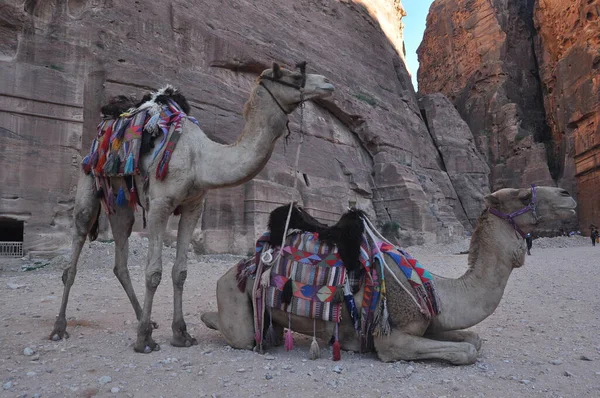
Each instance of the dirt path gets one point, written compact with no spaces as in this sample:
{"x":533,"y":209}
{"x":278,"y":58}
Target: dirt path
{"x":543,"y":340}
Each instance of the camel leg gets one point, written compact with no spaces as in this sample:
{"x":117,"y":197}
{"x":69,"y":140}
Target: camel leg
{"x":158,"y":216}
{"x":465,"y":336}
{"x":235,"y":317}
{"x":190,"y":214}
{"x":403,"y":346}
{"x":85,"y":215}
{"x":121,"y":223}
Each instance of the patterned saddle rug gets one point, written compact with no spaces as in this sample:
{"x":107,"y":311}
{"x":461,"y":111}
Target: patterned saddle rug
{"x":117,"y":148}
{"x":310,"y":280}
{"x":313,"y":272}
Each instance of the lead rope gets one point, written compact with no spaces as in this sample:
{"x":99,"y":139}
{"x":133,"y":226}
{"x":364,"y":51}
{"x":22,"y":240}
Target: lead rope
{"x":265,"y":275}
{"x":289,"y":339}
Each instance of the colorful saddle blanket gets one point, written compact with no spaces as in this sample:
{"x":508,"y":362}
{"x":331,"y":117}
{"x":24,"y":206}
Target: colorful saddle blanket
{"x":314,"y":271}
{"x":317,"y":274}
{"x":116,"y":149}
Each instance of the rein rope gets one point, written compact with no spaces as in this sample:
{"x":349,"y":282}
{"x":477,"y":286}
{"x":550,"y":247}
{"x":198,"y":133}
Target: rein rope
{"x":261,"y":281}
{"x":511,"y":217}
{"x":300,"y":87}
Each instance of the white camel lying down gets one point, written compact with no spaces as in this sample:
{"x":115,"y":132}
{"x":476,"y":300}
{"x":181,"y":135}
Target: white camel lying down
{"x":497,"y":247}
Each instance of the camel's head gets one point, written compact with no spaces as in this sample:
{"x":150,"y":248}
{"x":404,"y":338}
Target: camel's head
{"x":289,"y":88}
{"x":550,"y":204}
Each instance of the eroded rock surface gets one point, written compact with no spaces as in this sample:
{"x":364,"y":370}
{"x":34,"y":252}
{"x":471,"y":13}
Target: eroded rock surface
{"x":568,"y":51}
{"x":368,"y":145}
{"x":480,"y":54}
{"x":463,"y":163}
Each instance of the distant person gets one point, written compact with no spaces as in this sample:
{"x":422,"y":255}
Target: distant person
{"x":529,"y":241}
{"x":594,"y":235}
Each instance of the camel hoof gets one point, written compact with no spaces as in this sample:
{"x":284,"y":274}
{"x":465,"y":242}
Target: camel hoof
{"x":183,"y":341}
{"x":148,"y":349}
{"x":59,"y":335}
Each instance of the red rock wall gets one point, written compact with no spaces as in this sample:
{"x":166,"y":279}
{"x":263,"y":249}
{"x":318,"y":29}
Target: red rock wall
{"x":524,"y":75}
{"x":480,"y":54}
{"x":61,"y":59}
{"x":568,"y":49}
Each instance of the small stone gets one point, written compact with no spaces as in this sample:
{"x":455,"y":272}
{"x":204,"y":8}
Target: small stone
{"x":584,"y":358}
{"x":241,"y":370}
{"x":269,"y":357}
{"x":568,"y":374}
{"x":115,"y":390}
{"x":526,"y":382}
{"x":337,"y":369}
{"x":14,"y":286}
{"x":36,"y":395}
{"x":556,"y":362}
{"x":409,"y":370}
{"x":31,"y":373}
{"x":28,"y":352}
{"x":8,"y":385}
{"x":104,"y":380}
{"x":268,"y":376}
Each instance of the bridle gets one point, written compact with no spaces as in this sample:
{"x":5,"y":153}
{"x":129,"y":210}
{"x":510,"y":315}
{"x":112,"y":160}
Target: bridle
{"x":299,"y":87}
{"x":511,"y":217}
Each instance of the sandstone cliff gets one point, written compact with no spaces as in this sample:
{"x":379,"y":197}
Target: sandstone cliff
{"x":480,"y":54}
{"x":524,"y":76}
{"x":568,"y":53}
{"x":369,"y":145}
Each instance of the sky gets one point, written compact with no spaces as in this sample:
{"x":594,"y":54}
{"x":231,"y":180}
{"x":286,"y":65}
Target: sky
{"x":414,"y":26}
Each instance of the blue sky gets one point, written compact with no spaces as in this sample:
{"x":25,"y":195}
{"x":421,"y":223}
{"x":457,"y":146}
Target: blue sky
{"x":414,"y":26}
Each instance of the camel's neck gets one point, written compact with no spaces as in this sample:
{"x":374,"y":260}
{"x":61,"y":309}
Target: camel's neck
{"x":230,"y":165}
{"x":495,"y":250}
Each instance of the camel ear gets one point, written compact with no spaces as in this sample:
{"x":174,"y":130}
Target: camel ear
{"x":491,"y":200}
{"x":276,"y":71}
{"x":525,"y":195}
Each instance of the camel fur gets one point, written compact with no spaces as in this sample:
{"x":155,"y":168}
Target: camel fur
{"x":197,"y":166}
{"x":495,"y":250}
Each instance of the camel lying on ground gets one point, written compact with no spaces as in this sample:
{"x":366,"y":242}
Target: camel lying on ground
{"x":195,"y":167}
{"x":496,"y":248}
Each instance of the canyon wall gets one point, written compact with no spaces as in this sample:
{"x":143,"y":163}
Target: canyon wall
{"x":524,"y":76}
{"x":568,"y":52}
{"x":367,"y":146}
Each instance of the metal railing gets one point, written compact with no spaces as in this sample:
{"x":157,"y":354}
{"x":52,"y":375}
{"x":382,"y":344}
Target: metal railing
{"x":11,"y":249}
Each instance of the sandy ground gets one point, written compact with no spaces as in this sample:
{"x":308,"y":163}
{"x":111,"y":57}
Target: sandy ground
{"x":543,"y":340}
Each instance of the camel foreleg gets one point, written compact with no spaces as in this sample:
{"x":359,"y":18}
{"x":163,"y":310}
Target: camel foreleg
{"x":400,"y":345}
{"x":158,"y":216}
{"x":465,"y":336}
{"x":85,"y":214}
{"x":235,"y":318}
{"x":190,"y":213}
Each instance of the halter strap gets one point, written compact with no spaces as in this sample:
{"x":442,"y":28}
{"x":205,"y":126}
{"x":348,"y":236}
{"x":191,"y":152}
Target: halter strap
{"x":511,"y":217}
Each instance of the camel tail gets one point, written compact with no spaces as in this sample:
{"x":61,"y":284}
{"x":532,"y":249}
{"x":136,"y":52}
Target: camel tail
{"x":93,"y":234}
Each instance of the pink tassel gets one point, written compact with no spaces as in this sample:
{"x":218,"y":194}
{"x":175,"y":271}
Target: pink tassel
{"x":289,"y":340}
{"x":258,"y":338}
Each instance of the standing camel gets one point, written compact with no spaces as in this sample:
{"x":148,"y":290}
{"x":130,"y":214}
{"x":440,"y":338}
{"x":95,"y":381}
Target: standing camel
{"x":497,"y":247}
{"x":196,"y":166}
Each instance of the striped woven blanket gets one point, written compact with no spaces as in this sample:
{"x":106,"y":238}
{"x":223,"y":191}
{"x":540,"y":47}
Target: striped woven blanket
{"x":314,"y":272}
{"x":319,"y":282}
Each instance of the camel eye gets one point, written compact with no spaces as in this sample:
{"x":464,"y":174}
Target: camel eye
{"x":564,"y":193}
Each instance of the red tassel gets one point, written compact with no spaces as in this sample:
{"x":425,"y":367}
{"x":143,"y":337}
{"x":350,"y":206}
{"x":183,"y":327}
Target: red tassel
{"x":337,"y":351}
{"x":100,"y":164}
{"x":289,"y":340}
{"x":133,"y":198}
